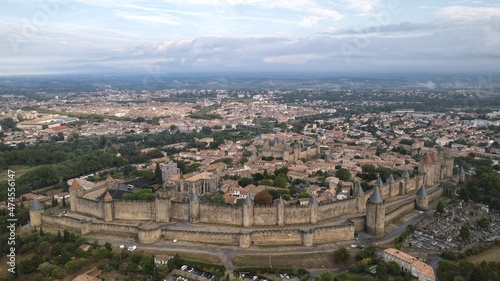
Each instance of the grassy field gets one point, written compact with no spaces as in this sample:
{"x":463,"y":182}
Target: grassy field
{"x":353,"y":277}
{"x":492,"y":254}
{"x":19,"y":169}
{"x":312,"y":260}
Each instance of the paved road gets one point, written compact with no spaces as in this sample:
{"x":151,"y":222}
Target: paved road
{"x":226,"y":253}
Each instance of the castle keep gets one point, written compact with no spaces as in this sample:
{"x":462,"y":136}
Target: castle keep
{"x":251,"y":224}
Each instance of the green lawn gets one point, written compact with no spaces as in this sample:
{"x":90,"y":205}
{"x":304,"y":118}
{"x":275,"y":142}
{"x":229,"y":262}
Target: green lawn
{"x":349,"y":276}
{"x":19,"y":169}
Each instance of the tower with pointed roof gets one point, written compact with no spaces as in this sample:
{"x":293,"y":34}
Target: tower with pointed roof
{"x":447,"y":164}
{"x":360,"y":199}
{"x":404,"y":188}
{"x":280,"y":212}
{"x":390,"y":180}
{"x":248,"y":212}
{"x":461,"y":175}
{"x":74,"y":191}
{"x":426,"y":168}
{"x":437,"y":167}
{"x":36,"y":212}
{"x":422,"y":199}
{"x":108,"y":207}
{"x":375,"y":214}
{"x":194,"y":208}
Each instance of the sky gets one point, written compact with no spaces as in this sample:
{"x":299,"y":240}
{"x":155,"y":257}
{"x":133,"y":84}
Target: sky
{"x":174,"y":36}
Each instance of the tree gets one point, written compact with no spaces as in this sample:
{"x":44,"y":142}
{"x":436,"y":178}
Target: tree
{"x":440,"y":207}
{"x":483,"y":222}
{"x":243,"y":160}
{"x":263,"y":198}
{"x":343,"y":174}
{"x":304,"y":195}
{"x":381,"y":271}
{"x":158,"y":177}
{"x":245,"y":181}
{"x":64,"y":202}
{"x":393,"y":268}
{"x":465,"y":232}
{"x":341,"y":255}
{"x":281,"y":181}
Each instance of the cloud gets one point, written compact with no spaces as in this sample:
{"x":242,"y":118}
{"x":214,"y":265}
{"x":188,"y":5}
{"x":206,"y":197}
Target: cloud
{"x":464,"y":13}
{"x":150,"y":19}
{"x":363,"y":6}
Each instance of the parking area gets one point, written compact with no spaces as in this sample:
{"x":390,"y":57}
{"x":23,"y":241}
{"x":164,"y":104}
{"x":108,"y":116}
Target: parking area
{"x":187,"y":273}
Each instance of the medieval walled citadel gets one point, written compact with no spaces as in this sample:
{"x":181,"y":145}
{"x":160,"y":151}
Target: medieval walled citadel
{"x":94,"y":210}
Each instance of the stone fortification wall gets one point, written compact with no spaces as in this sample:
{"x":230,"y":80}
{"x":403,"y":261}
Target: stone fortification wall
{"x":402,"y":209}
{"x":95,"y":192}
{"x":297,"y":214}
{"x":114,"y":228}
{"x":436,"y":194}
{"x":336,"y":209}
{"x":67,"y":222}
{"x":327,"y":234}
{"x":89,"y":207}
{"x":276,"y":237}
{"x":359,"y":222}
{"x":221,"y":238}
{"x":264,"y":215}
{"x":221,"y":214}
{"x":180,"y":211}
{"x":134,"y":210}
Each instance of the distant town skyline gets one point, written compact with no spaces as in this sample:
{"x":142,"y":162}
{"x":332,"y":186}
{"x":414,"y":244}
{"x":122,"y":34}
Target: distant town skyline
{"x":156,"y":37}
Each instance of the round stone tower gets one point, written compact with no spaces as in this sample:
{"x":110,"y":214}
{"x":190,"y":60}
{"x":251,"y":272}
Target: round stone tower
{"x":422,"y":199}
{"x":248,"y":212}
{"x":194,"y":208}
{"x":36,"y":212}
{"x":375,"y":214}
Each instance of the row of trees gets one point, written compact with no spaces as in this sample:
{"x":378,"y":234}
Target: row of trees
{"x":484,"y":185}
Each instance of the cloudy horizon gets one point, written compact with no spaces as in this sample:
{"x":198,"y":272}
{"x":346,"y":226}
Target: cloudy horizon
{"x":134,"y":36}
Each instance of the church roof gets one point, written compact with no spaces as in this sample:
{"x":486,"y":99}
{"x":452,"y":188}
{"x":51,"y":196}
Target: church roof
{"x":248,"y":201}
{"x":376,"y":197}
{"x":390,"y":178}
{"x":36,"y":205}
{"x":194,"y":197}
{"x":422,"y":192}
